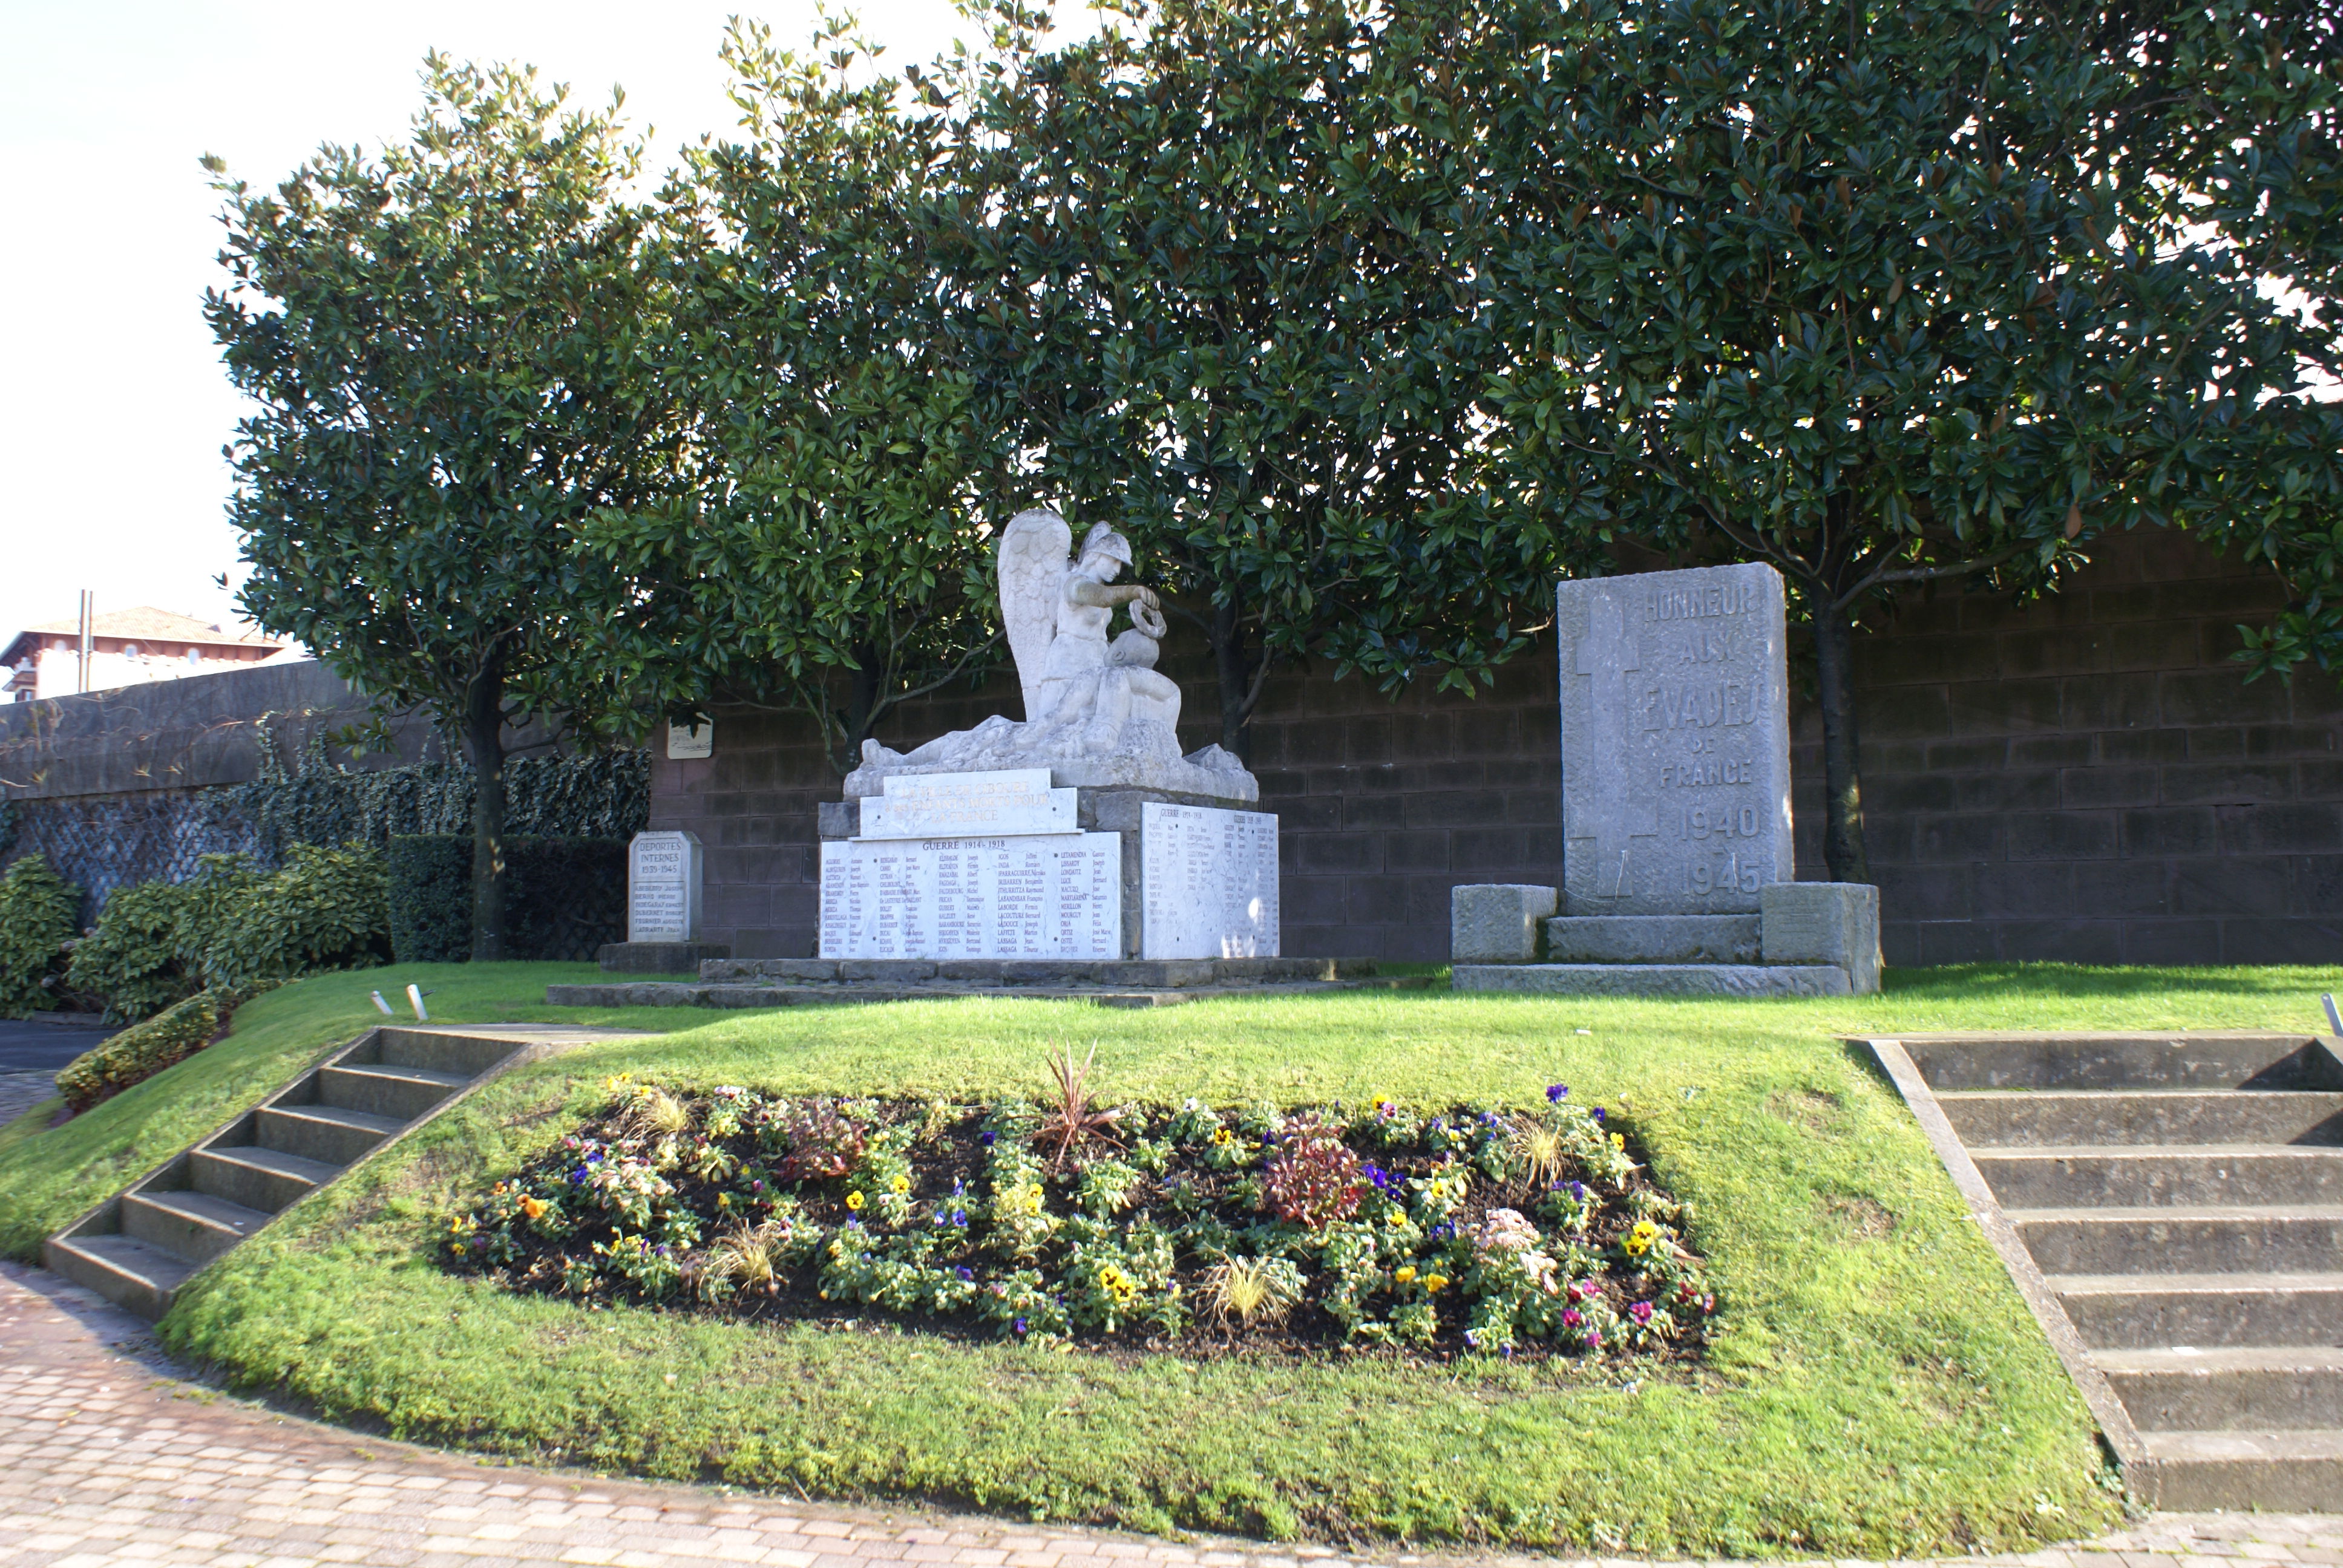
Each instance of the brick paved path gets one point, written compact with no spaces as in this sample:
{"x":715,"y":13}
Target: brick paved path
{"x":107,"y":1457}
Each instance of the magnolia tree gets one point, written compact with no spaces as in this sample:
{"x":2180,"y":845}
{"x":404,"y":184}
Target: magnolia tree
{"x":828,"y":555}
{"x":443,"y":346}
{"x":1213,"y":278}
{"x":1890,"y":294}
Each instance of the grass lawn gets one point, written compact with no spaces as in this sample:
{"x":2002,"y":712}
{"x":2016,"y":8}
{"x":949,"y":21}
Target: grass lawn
{"x":47,"y":1178}
{"x":1875,"y":1387}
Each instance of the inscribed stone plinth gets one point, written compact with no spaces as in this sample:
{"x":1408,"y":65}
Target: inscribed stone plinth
{"x":1035,"y":896}
{"x":663,"y":882}
{"x":1675,"y":741}
{"x":1208,"y":881}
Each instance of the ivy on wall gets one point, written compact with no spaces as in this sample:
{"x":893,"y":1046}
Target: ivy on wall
{"x":605,"y":795}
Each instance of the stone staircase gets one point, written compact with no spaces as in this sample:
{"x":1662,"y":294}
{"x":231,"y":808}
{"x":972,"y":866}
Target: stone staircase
{"x":2182,"y":1198}
{"x":137,"y":1250}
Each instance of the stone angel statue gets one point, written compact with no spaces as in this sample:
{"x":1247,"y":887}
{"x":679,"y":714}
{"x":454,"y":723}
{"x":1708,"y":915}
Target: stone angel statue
{"x":1097,"y":712}
{"x":1056,"y":612}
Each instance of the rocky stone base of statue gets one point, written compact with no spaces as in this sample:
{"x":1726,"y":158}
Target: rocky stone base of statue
{"x":1161,"y":982}
{"x":1143,"y":754}
{"x":1806,"y":939}
{"x":658,"y":958}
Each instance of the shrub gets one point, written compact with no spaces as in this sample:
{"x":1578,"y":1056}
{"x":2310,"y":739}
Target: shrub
{"x":564,"y":898}
{"x":144,"y":1050}
{"x":326,"y":909}
{"x":37,"y":909}
{"x":134,"y":958}
{"x":431,"y":892}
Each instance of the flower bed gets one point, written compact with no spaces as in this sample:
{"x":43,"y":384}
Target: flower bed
{"x":1486,"y":1229}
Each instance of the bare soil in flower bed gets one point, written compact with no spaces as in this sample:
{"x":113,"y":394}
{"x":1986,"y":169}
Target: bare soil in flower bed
{"x":1465,"y":1231}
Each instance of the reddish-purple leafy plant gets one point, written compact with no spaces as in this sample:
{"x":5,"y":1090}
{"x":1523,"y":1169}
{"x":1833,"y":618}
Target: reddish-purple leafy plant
{"x":822,"y":1140}
{"x":1314,"y":1179}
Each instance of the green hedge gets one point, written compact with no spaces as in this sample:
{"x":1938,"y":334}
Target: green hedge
{"x":564,"y":898}
{"x":141,"y":1051}
{"x":37,"y":909}
{"x":234,"y":926}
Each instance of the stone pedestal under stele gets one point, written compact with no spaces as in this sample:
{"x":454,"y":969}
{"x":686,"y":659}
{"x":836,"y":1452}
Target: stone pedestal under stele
{"x":1676,"y":786}
{"x":1004,"y":864}
{"x":663,"y":894}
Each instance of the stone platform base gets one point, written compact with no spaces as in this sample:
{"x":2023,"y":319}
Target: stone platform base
{"x":1655,"y":979}
{"x":1127,"y":983}
{"x":658,"y":958}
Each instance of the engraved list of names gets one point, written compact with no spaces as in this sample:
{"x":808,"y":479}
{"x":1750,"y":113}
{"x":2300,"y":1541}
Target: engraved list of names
{"x":1038,"y":896}
{"x":1675,"y":741}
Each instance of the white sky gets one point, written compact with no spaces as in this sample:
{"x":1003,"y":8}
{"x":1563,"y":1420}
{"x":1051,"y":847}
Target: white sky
{"x":113,"y":404}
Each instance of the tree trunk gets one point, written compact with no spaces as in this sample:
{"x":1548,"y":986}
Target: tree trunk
{"x":1234,"y":668}
{"x":1842,"y":850}
{"x":484,"y":724}
{"x":862,"y":694}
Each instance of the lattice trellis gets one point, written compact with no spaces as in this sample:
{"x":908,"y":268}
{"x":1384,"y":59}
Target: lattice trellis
{"x":101,"y":842}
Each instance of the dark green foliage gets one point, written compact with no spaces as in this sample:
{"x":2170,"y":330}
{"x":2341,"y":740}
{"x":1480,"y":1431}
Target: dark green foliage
{"x":430,"y":897}
{"x":325,"y":910}
{"x":144,"y":1050}
{"x":37,"y":910}
{"x":603,"y":795}
{"x":440,"y":343}
{"x":134,"y":958}
{"x":9,"y":815}
{"x":568,"y":897}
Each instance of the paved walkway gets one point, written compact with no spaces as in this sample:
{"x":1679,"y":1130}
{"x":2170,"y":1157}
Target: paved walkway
{"x":107,"y":1457}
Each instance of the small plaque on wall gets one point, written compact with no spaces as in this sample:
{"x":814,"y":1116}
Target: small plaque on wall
{"x":687,"y":741}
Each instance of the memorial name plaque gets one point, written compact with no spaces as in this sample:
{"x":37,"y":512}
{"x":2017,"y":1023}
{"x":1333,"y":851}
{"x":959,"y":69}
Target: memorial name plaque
{"x":968,"y":805}
{"x":1208,"y":882}
{"x":686,"y":742}
{"x":663,"y":880}
{"x":1675,"y":741}
{"x":1033,"y":896}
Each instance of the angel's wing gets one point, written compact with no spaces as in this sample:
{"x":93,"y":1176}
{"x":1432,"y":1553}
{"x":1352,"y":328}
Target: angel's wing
{"x":1032,"y":567}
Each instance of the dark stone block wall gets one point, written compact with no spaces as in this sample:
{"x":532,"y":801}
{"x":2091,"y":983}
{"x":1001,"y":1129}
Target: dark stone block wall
{"x":2085,"y":778}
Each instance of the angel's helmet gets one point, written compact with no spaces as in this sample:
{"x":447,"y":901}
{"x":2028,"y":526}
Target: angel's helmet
{"x":1103,"y":540}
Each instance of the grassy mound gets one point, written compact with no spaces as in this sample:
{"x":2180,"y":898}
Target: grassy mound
{"x":1874,"y":1387}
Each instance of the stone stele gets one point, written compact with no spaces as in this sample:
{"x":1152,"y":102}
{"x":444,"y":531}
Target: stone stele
{"x":663,"y":881}
{"x":1675,"y":741}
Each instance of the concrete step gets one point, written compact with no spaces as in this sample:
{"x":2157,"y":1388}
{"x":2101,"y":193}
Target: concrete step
{"x":326,"y":1133}
{"x":2065,"y":1118}
{"x":2291,"y":1388}
{"x":2150,"y":1312}
{"x":1653,"y":940}
{"x":196,"y":1226}
{"x":263,"y":1179}
{"x":2056,"y":1176}
{"x":400,"y":1093}
{"x":436,"y":1051}
{"x":2182,"y":1240}
{"x":133,"y":1274}
{"x":2119,"y":1062}
{"x":2276,"y":1472}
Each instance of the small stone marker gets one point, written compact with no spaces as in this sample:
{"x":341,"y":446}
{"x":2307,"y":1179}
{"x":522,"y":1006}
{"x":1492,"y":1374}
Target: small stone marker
{"x":663,"y":875}
{"x":1496,"y":922}
{"x":685,"y":742}
{"x":1675,"y":741}
{"x":1208,"y":880}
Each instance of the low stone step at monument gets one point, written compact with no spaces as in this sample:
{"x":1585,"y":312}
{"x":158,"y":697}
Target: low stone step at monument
{"x":138,"y":1250}
{"x":1655,"y":979}
{"x":1132,"y":983}
{"x":2171,"y":1206}
{"x":1653,"y":940}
